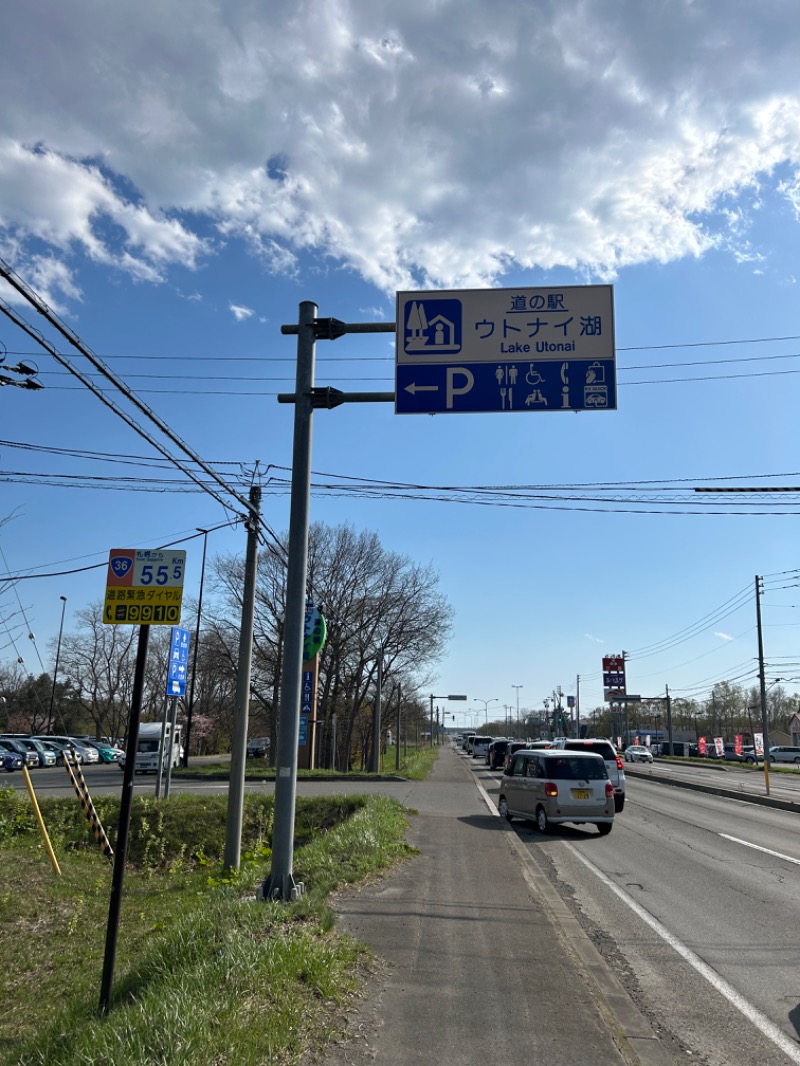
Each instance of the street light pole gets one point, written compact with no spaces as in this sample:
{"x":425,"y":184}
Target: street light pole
{"x":55,"y":669}
{"x":190,"y":708}
{"x":517,"y":687}
{"x":486,"y":706}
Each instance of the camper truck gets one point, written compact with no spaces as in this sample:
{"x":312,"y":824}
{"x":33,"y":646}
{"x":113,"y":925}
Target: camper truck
{"x":149,"y":756}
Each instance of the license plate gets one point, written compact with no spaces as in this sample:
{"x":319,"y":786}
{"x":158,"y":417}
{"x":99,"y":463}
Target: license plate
{"x":581,"y":793}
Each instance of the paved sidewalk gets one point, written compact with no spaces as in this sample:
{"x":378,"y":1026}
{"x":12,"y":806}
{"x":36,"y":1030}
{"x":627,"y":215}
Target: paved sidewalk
{"x":483,"y":964}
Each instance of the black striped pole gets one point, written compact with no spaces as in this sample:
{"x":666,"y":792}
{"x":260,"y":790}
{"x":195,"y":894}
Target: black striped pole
{"x":85,"y":800}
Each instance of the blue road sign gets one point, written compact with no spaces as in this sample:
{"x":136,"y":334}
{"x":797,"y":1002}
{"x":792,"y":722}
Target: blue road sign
{"x":506,"y":350}
{"x":178,"y":662}
{"x":569,"y":385}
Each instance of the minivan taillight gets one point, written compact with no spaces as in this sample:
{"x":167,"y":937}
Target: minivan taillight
{"x":609,"y":789}
{"x":620,"y":763}
{"x":550,"y":789}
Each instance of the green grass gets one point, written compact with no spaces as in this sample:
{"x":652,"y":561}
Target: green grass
{"x":205,"y":975}
{"x":414,"y":764}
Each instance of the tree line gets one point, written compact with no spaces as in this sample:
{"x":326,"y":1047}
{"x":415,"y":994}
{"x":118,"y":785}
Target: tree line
{"x":379,"y":606}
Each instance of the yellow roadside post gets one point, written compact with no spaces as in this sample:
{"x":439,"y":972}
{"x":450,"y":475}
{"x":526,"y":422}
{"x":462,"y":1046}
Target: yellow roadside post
{"x":40,"y":820}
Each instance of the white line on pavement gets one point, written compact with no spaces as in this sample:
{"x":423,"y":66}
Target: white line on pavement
{"x":767,"y":851}
{"x":771,"y":1031}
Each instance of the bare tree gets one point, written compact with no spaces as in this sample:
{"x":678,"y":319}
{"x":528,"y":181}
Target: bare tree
{"x":376,"y":603}
{"x":98,"y":660}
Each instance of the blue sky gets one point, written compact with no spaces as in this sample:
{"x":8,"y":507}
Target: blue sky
{"x":174,"y":186}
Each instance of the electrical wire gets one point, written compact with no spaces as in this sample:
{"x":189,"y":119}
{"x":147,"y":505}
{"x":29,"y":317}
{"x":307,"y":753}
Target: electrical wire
{"x":38,"y":304}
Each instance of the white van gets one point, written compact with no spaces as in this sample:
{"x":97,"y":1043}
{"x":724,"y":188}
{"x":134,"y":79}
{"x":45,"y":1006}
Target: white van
{"x":480,"y":745}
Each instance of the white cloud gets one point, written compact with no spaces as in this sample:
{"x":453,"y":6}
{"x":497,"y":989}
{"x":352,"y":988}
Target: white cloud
{"x":431,"y":143}
{"x":241,"y":313}
{"x":724,"y":636}
{"x":594,"y":640}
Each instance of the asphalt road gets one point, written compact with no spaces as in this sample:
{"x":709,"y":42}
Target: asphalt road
{"x":696,"y":905}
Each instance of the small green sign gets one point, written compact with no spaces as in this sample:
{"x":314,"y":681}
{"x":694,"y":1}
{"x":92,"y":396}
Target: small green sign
{"x":315,"y":633}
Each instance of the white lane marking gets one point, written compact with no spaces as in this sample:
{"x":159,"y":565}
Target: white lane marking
{"x":768,"y":1028}
{"x":757,"y":847}
{"x":487,"y":798}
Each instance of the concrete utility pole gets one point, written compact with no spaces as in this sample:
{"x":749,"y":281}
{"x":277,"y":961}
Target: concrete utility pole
{"x":281,"y":884}
{"x":376,"y":717}
{"x":233,"y":825}
{"x":762,"y":684}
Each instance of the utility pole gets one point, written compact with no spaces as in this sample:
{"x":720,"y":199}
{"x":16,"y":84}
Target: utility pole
{"x":669,"y":718}
{"x":281,"y":884}
{"x":762,"y":684}
{"x":399,"y":721}
{"x":233,"y":825}
{"x":376,"y":717}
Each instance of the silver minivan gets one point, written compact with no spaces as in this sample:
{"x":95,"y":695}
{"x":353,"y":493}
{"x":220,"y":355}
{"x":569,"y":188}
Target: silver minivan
{"x":551,"y":786}
{"x":784,"y":753}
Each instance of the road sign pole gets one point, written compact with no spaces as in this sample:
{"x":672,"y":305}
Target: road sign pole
{"x":281,"y":884}
{"x":172,"y":723}
{"x":126,"y":804}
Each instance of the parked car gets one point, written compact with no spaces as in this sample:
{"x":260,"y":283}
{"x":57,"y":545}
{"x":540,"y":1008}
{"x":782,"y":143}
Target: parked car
{"x":30,"y":757}
{"x":480,"y":745}
{"x":62,"y":744}
{"x":615,"y":764}
{"x":47,"y":757}
{"x":10,"y":760}
{"x":107,"y":752}
{"x":551,"y":786}
{"x":731,"y":755}
{"x":784,"y":753}
{"x":257,"y":747}
{"x":87,"y":753}
{"x":638,"y":753}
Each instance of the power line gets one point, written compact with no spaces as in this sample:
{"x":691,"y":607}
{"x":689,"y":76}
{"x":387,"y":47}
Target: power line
{"x":38,"y":304}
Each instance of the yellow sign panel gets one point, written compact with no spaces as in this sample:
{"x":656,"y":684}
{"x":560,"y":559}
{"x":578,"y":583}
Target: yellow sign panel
{"x":144,"y":587}
{"x":142,"y":607}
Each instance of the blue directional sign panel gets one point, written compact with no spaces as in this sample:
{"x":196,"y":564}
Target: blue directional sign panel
{"x":504,"y":350}
{"x":178,"y":662}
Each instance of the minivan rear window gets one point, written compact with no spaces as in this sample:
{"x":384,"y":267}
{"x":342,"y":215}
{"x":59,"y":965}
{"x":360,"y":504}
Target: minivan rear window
{"x":571,"y":768}
{"x":598,"y":747}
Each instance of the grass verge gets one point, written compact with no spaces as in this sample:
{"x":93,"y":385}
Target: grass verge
{"x":414,"y":764}
{"x":204,"y":974}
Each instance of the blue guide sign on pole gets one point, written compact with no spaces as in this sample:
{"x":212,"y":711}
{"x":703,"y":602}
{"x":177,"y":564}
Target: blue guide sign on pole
{"x":178,"y":662}
{"x":504,"y":350}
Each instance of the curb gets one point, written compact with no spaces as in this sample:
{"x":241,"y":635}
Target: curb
{"x":717,"y":790}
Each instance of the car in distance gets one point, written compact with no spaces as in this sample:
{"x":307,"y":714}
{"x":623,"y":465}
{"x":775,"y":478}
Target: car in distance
{"x":257,"y":747}
{"x":47,"y":757}
{"x":67,"y":744}
{"x":10,"y":760}
{"x":784,"y":753}
{"x":496,"y":753}
{"x":638,"y":753}
{"x":615,"y":764}
{"x":29,"y":756}
{"x":551,"y":786}
{"x":84,"y":753}
{"x":513,"y":747}
{"x":480,"y":745}
{"x":107,"y":752}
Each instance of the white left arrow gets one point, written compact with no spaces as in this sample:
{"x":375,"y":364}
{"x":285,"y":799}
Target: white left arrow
{"x":414,"y":388}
